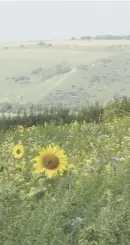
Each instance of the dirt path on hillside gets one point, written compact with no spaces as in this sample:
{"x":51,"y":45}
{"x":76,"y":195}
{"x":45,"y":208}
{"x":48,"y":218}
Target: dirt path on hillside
{"x":59,"y":82}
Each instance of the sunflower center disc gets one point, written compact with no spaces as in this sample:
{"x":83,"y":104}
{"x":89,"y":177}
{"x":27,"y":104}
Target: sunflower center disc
{"x":51,"y":162}
{"x":18,"y":151}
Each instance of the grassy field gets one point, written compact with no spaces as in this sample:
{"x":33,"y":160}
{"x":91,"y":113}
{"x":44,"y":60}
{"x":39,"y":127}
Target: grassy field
{"x":88,"y":205}
{"x":71,"y":72}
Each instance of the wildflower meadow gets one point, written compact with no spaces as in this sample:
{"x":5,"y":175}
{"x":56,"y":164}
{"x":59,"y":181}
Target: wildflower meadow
{"x":66,"y":184}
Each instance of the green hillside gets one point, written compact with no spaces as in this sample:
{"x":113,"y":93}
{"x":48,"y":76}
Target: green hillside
{"x":71,"y":72}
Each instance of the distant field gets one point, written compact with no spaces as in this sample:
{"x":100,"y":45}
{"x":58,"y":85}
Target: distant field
{"x":71,"y":72}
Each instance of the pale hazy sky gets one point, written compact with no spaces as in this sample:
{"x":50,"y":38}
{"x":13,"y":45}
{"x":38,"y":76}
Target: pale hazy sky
{"x":57,"y":19}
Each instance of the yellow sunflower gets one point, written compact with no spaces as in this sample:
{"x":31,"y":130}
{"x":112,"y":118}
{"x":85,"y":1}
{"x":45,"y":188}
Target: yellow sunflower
{"x":18,"y":151}
{"x":51,"y":161}
{"x":20,"y":128}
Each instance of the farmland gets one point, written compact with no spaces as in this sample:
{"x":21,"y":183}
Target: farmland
{"x":72,"y":72}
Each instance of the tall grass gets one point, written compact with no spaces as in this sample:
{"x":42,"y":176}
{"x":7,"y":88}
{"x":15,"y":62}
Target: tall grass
{"x":90,"y":203}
